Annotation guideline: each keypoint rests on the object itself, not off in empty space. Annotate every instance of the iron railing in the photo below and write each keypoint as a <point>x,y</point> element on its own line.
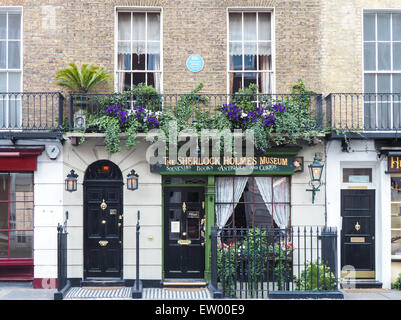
<point>36,111</point>
<point>364,111</point>
<point>250,263</point>
<point>83,105</point>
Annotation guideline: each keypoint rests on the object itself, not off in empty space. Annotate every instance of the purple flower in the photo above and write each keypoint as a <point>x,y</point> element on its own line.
<point>269,120</point>
<point>278,108</point>
<point>232,111</point>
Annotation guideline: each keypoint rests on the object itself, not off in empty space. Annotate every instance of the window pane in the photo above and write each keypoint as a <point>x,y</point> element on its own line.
<point>138,27</point>
<point>235,82</point>
<point>3,83</point>
<point>154,56</point>
<point>124,26</point>
<point>138,62</point>
<point>3,54</point>
<point>3,26</point>
<point>14,82</point>
<point>154,79</point>
<point>21,186</point>
<point>396,27</point>
<point>3,244</point>
<point>265,82</point>
<point>356,175</point>
<point>14,54</point>
<point>396,56</point>
<point>21,215</point>
<point>383,26</point>
<point>235,56</point>
<point>384,59</point>
<point>139,78</point>
<point>264,25</point>
<point>235,25</point>
<point>249,78</point>
<point>265,58</point>
<point>369,27</point>
<point>3,215</point>
<point>14,26</point>
<point>369,56</point>
<point>250,56</point>
<point>124,62</point>
<point>14,115</point>
<point>249,26</point>
<point>153,26</point>
<point>280,189</point>
<point>21,244</point>
<point>397,83</point>
<point>383,85</point>
<point>124,81</point>
<point>369,85</point>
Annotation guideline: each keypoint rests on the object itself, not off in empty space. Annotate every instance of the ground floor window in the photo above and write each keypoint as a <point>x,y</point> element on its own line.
<point>396,218</point>
<point>250,201</point>
<point>16,216</point>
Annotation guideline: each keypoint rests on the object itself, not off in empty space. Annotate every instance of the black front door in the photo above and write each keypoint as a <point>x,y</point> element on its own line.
<point>103,227</point>
<point>184,238</point>
<point>358,231</point>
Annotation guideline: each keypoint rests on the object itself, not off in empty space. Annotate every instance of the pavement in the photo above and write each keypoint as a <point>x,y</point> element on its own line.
<point>25,291</point>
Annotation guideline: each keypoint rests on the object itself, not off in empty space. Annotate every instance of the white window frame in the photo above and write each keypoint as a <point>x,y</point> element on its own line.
<point>136,9</point>
<point>6,98</point>
<point>378,71</point>
<point>272,42</point>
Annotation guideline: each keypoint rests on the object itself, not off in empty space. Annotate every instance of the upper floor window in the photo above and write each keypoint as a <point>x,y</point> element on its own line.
<point>10,66</point>
<point>138,50</point>
<point>250,51</point>
<point>382,69</point>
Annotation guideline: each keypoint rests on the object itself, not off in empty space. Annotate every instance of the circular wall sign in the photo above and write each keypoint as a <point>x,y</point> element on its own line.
<point>195,63</point>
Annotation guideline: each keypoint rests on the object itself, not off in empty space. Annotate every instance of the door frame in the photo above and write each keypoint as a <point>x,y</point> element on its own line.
<point>103,182</point>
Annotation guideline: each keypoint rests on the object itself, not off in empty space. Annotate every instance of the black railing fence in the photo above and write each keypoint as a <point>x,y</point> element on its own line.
<point>31,111</point>
<point>190,106</point>
<point>250,263</point>
<point>364,111</point>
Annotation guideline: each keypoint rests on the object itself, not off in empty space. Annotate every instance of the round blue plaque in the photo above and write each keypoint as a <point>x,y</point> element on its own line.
<point>195,63</point>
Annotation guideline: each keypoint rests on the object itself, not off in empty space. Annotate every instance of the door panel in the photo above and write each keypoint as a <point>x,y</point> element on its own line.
<point>103,231</point>
<point>358,231</point>
<point>184,254</point>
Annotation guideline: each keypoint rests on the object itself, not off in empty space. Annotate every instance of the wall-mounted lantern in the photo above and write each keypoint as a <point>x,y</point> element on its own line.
<point>315,171</point>
<point>71,181</point>
<point>132,180</point>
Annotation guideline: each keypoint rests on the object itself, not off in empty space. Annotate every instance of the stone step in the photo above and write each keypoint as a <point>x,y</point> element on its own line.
<point>180,283</point>
<point>361,284</point>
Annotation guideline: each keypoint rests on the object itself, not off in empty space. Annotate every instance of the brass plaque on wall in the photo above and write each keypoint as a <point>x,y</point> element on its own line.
<point>357,239</point>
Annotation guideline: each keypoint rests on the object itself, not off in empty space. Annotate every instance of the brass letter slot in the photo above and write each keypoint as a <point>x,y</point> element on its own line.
<point>184,242</point>
<point>357,239</point>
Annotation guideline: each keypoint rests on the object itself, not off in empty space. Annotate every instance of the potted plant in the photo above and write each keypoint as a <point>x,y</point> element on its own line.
<point>81,80</point>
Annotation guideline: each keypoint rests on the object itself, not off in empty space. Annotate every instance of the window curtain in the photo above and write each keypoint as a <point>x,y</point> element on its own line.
<point>257,213</point>
<point>225,194</point>
<point>280,194</point>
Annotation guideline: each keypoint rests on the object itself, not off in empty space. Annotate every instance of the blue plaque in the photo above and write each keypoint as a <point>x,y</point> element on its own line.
<point>195,63</point>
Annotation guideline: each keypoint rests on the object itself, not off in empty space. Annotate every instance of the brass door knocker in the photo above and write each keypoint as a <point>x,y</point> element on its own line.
<point>357,226</point>
<point>103,205</point>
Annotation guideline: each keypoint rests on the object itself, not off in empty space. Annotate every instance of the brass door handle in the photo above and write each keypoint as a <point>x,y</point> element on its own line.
<point>103,205</point>
<point>184,207</point>
<point>103,243</point>
<point>103,221</point>
<point>184,234</point>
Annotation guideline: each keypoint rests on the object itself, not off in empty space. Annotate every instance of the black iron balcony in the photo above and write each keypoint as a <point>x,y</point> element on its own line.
<point>368,114</point>
<point>193,108</point>
<point>36,112</point>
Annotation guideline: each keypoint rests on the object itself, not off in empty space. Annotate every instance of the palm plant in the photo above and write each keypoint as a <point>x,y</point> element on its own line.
<point>84,79</point>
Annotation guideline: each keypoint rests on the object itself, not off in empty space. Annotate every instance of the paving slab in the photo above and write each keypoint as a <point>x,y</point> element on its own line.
<point>24,291</point>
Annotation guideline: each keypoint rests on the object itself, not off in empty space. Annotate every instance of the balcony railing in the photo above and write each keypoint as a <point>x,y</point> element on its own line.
<point>31,111</point>
<point>368,112</point>
<point>83,105</point>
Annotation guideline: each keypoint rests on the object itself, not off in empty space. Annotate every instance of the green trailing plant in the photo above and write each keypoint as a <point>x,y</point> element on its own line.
<point>82,79</point>
<point>397,284</point>
<point>316,276</point>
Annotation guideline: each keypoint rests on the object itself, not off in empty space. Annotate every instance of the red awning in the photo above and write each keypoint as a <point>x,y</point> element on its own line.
<point>19,159</point>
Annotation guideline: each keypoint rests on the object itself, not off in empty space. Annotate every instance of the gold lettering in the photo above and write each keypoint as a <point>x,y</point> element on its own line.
<point>396,162</point>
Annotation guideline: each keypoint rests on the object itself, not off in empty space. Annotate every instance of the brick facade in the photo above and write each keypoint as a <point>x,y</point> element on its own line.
<point>59,32</point>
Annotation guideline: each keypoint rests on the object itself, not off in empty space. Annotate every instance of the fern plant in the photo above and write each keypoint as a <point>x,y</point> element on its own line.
<point>82,79</point>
